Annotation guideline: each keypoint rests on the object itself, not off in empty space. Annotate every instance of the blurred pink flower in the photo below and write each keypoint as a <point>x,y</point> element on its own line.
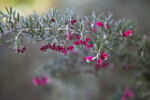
<point>41,81</point>
<point>65,52</point>
<point>78,37</point>
<point>127,94</point>
<point>98,24</point>
<point>89,46</point>
<point>104,56</point>
<point>85,43</point>
<point>76,43</point>
<point>100,61</point>
<point>70,48</point>
<point>107,26</point>
<point>127,33</point>
<point>87,39</point>
<point>73,21</point>
<point>88,59</point>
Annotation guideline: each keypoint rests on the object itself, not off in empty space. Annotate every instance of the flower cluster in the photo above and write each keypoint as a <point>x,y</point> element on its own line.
<point>104,56</point>
<point>41,80</point>
<point>22,50</point>
<point>83,42</point>
<point>57,48</point>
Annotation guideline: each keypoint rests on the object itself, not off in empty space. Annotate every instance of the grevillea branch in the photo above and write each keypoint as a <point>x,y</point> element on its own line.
<point>97,34</point>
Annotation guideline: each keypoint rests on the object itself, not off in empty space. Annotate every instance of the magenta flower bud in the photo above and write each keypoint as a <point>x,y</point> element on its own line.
<point>87,39</point>
<point>18,50</point>
<point>104,56</point>
<point>80,42</point>
<point>107,26</point>
<point>127,33</point>
<point>100,61</point>
<point>49,46</point>
<point>36,81</point>
<point>85,43</point>
<point>70,48</point>
<point>52,20</point>
<point>24,48</point>
<point>98,24</point>
<point>73,21</point>
<point>76,43</point>
<point>45,80</point>
<point>89,46</point>
<point>41,81</point>
<point>65,52</point>
<point>128,93</point>
<point>78,37</point>
<point>22,51</point>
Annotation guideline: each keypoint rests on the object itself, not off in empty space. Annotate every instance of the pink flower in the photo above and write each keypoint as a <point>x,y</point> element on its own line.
<point>107,26</point>
<point>89,46</point>
<point>127,33</point>
<point>70,48</point>
<point>36,81</point>
<point>24,48</point>
<point>98,24</point>
<point>104,56</point>
<point>49,46</point>
<point>78,37</point>
<point>52,20</point>
<point>100,61</point>
<point>128,93</point>
<point>85,43</point>
<point>45,80</point>
<point>80,42</point>
<point>130,32</point>
<point>18,50</point>
<point>40,81</point>
<point>59,49</point>
<point>87,39</point>
<point>73,21</point>
<point>76,43</point>
<point>65,52</point>
<point>88,59</point>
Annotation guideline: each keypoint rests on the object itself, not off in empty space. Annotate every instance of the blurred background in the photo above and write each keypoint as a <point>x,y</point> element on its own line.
<point>17,71</point>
